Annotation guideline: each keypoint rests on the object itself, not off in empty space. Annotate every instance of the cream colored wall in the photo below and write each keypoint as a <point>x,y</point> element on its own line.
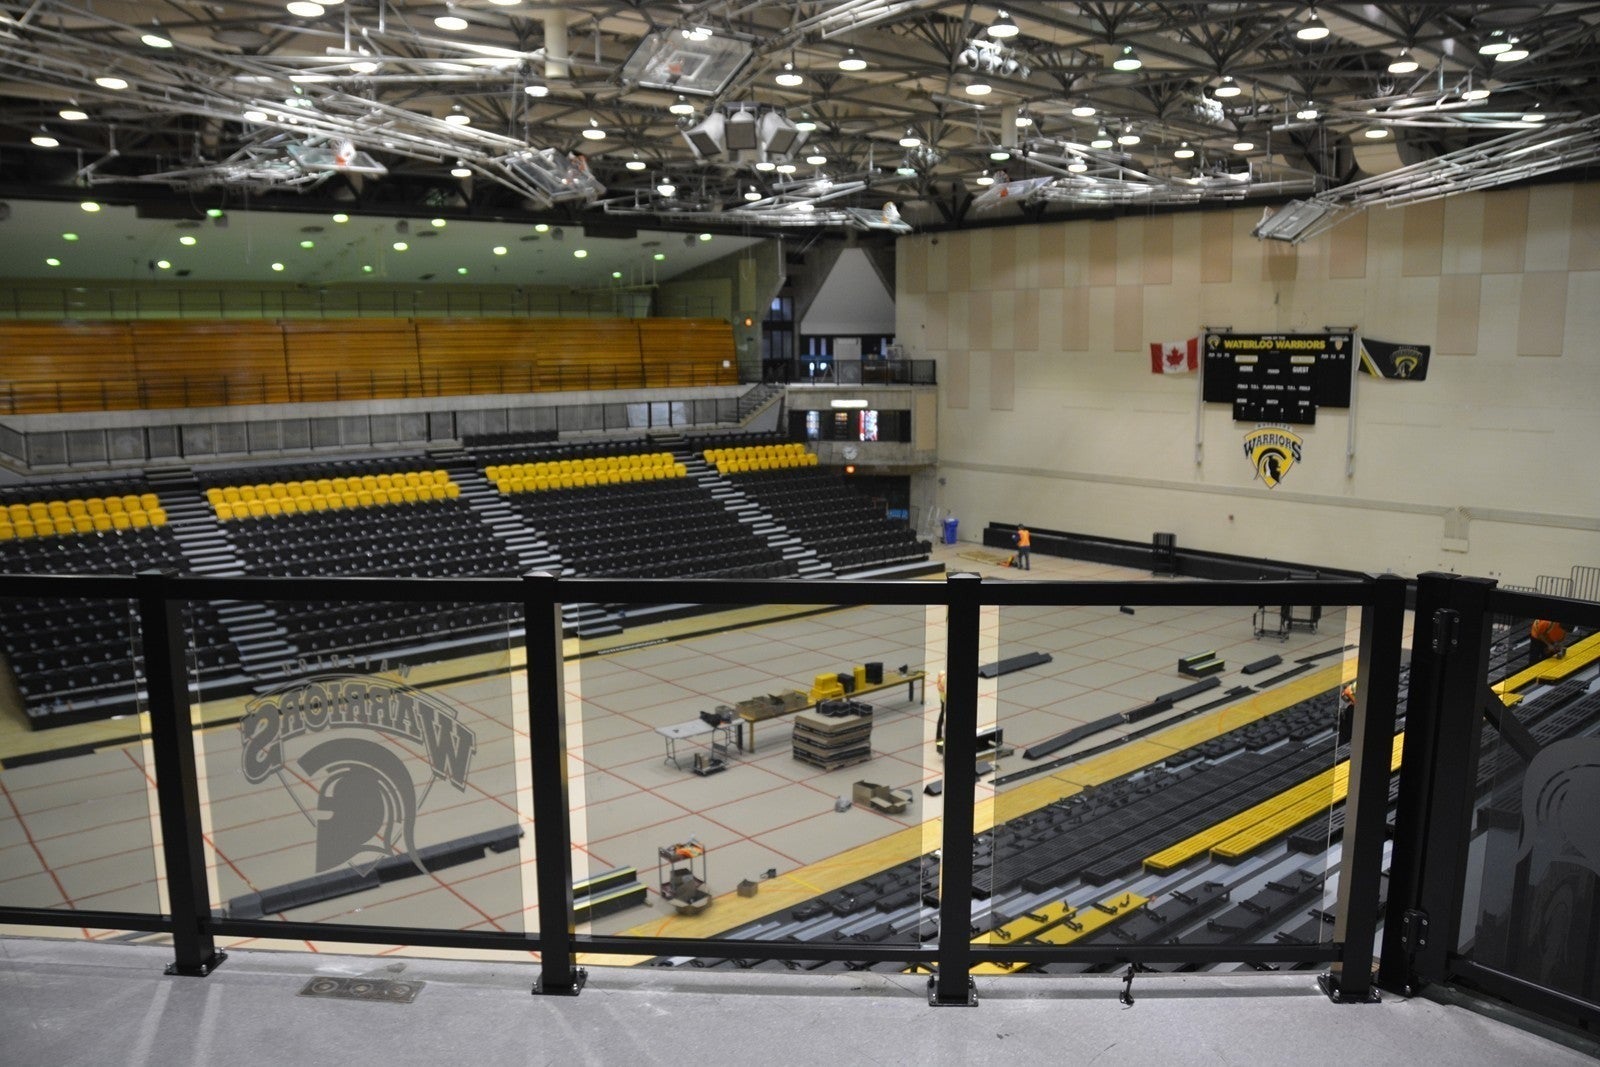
<point>1050,414</point>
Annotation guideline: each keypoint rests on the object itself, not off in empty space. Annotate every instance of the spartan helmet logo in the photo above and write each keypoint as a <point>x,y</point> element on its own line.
<point>367,805</point>
<point>1405,362</point>
<point>1560,794</point>
<point>1272,450</point>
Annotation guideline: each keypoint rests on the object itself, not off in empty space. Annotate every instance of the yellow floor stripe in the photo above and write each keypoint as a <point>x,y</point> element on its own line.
<point>1030,925</point>
<point>1578,657</point>
<point>1078,925</point>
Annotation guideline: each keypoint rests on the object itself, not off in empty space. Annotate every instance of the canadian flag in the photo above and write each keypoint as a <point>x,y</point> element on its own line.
<point>1175,357</point>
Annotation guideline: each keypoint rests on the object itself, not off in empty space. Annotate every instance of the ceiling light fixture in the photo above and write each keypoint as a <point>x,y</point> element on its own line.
<point>1183,151</point>
<point>1514,54</point>
<point>593,131</point>
<point>1102,140</point>
<point>255,116</point>
<point>1128,60</point>
<point>705,237</point>
<point>1227,87</point>
<point>1496,43</point>
<point>69,237</point>
<point>109,81</point>
<point>1083,111</point>
<point>500,250</point>
<point>851,61</point>
<point>659,256</point>
<point>460,170</point>
<point>72,114</point>
<point>816,159</point>
<point>304,9</point>
<point>1003,28</point>
<point>806,124</point>
<point>1535,114</point>
<point>999,155</point>
<point>1127,137</point>
<point>752,194</point>
<point>1404,63</point>
<point>635,163</point>
<point>341,217</point>
<point>666,188</point>
<point>984,179</point>
<point>1313,29</point>
<point>1077,166</point>
<point>277,266</point>
<point>365,66</point>
<point>1242,145</point>
<point>52,262</point>
<point>90,206</point>
<point>580,253</point>
<point>681,106</point>
<point>452,22</point>
<point>787,168</point>
<point>155,40</point>
<point>536,89</point>
<point>400,246</point>
<point>1377,133</point>
<point>766,165</point>
<point>457,118</point>
<point>910,140</point>
<point>187,240</point>
<point>1308,112</point>
<point>44,140</point>
<point>788,77</point>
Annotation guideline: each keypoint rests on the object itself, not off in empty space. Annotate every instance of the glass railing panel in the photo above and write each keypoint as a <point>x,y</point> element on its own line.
<point>1532,887</point>
<point>366,763</point>
<point>77,804</point>
<point>1159,775</point>
<point>757,772</point>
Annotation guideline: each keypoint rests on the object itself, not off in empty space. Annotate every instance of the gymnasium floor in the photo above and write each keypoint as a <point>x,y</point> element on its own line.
<point>77,830</point>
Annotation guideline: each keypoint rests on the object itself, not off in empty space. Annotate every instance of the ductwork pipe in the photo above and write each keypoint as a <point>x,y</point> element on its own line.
<point>556,65</point>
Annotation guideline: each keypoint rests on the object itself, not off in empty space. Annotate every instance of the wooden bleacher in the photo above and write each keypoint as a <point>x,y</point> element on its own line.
<point>70,366</point>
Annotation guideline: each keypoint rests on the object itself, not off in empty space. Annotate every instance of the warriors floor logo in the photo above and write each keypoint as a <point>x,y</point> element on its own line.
<point>1272,450</point>
<point>359,755</point>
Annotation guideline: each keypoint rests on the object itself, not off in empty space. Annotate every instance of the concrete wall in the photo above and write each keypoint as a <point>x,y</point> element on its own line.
<point>1051,415</point>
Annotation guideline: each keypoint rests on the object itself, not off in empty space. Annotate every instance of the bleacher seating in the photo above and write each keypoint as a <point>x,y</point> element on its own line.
<point>740,459</point>
<point>845,528</point>
<point>662,528</point>
<point>554,474</point>
<point>396,523</point>
<point>74,660</point>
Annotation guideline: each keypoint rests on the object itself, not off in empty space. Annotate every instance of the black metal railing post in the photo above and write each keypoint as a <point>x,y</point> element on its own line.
<point>952,986</point>
<point>1367,800</point>
<point>552,826</point>
<point>1439,764</point>
<point>177,784</point>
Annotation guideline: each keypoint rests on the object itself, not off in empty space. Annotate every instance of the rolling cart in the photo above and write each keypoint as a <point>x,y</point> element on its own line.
<point>681,871</point>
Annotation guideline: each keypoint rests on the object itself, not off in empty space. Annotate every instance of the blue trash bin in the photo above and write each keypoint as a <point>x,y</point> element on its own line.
<point>950,531</point>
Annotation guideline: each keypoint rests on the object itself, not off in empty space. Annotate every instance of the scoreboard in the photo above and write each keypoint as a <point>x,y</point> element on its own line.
<point>1280,377</point>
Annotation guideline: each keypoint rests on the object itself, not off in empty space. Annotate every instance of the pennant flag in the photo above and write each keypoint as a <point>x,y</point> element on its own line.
<point>1175,357</point>
<point>1384,359</point>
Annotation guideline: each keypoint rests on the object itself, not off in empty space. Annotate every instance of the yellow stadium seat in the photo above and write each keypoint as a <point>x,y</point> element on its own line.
<point>541,484</point>
<point>102,521</point>
<point>25,528</point>
<point>349,499</point>
<point>17,511</point>
<point>37,511</point>
<point>452,490</point>
<point>491,472</point>
<point>114,505</point>
<point>335,501</point>
<point>412,478</point>
<point>56,508</point>
<point>158,516</point>
<point>324,486</point>
<point>289,505</point>
<point>215,495</point>
<point>409,494</point>
<point>679,470</point>
<point>369,482</point>
<point>440,477</point>
<point>277,489</point>
<point>139,518</point>
<point>224,510</point>
<point>7,531</point>
<point>363,498</point>
<point>384,481</point>
<point>319,502</point>
<point>82,524</point>
<point>45,527</point>
<point>247,493</point>
<point>380,496</point>
<point>120,520</point>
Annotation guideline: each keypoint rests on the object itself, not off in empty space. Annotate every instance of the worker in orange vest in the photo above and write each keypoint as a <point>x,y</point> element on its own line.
<point>1347,711</point>
<point>1546,639</point>
<point>1024,542</point>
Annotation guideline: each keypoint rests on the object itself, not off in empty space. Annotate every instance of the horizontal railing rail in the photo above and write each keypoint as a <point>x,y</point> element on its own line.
<point>194,928</point>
